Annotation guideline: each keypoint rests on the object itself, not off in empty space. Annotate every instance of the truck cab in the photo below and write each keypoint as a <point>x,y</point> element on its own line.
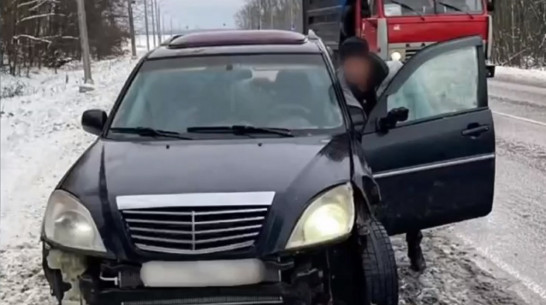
<point>397,29</point>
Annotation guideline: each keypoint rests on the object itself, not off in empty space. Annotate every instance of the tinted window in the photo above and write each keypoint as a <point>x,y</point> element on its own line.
<point>445,84</point>
<point>283,91</point>
<point>431,7</point>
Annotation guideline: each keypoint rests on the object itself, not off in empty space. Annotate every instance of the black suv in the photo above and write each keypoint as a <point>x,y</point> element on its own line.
<point>231,171</point>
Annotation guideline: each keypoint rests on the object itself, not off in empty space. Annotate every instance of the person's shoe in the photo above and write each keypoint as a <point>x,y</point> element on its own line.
<point>418,263</point>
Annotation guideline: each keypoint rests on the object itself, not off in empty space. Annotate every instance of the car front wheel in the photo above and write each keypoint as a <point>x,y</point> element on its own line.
<point>380,272</point>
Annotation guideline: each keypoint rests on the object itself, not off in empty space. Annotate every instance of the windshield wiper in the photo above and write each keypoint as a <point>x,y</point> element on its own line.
<point>241,129</point>
<point>149,132</point>
<point>453,7</point>
<point>405,5</point>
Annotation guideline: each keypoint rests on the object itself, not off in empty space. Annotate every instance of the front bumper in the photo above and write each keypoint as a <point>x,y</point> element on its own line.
<point>289,280</point>
<point>278,293</point>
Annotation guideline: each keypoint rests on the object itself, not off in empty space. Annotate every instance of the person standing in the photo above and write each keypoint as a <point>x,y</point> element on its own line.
<point>362,76</point>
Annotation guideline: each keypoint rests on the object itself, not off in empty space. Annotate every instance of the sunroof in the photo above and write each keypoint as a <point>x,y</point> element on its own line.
<point>237,37</point>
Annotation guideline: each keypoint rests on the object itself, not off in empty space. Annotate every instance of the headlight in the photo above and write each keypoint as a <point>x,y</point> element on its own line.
<point>68,223</point>
<point>397,55</point>
<point>328,217</point>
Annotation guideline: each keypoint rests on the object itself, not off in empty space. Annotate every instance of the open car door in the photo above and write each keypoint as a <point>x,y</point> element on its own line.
<point>430,140</point>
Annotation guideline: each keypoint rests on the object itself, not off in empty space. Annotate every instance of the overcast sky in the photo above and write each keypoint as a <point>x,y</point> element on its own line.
<point>200,13</point>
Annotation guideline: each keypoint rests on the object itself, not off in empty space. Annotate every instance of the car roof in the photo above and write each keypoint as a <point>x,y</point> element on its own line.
<point>233,42</point>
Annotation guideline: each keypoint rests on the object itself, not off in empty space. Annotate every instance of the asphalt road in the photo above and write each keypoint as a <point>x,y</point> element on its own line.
<point>513,236</point>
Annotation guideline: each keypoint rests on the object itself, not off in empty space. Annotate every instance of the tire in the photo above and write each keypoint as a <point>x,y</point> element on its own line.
<point>380,272</point>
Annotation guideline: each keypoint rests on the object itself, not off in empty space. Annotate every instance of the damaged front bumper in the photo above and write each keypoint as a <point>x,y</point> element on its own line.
<point>75,278</point>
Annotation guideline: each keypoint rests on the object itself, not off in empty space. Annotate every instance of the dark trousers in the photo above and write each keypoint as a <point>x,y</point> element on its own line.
<point>415,253</point>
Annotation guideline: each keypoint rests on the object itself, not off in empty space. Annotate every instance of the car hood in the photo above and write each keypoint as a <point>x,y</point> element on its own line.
<point>296,169</point>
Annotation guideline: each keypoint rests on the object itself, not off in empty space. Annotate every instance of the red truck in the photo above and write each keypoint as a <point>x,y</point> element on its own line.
<point>400,28</point>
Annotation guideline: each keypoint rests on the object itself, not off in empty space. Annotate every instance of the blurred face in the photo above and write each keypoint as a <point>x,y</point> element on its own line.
<point>357,71</point>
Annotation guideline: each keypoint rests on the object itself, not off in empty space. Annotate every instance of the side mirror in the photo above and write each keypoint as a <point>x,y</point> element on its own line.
<point>490,5</point>
<point>394,116</point>
<point>358,118</point>
<point>93,121</point>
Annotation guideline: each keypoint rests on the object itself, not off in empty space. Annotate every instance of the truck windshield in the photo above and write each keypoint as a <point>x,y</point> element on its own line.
<point>290,92</point>
<point>431,7</point>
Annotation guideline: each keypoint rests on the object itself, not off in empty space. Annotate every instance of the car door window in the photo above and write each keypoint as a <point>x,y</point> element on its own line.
<point>443,85</point>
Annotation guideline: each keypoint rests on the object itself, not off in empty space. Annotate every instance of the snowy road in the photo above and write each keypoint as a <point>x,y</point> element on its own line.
<point>514,236</point>
<point>495,260</point>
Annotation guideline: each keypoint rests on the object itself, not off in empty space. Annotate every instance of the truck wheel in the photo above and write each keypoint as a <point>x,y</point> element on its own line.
<point>380,272</point>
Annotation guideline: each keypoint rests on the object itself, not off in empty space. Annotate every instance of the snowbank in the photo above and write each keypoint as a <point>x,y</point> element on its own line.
<point>517,75</point>
<point>41,138</point>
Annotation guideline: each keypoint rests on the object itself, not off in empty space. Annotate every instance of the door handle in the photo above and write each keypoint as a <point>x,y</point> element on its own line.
<point>475,131</point>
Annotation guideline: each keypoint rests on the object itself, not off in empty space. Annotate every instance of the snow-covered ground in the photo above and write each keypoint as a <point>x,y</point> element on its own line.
<point>529,77</point>
<point>41,137</point>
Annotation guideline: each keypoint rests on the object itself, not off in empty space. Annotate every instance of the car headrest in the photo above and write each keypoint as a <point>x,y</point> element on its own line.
<point>291,78</point>
<point>242,74</point>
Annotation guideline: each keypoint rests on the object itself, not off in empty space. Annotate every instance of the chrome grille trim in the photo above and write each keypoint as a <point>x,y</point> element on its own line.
<point>194,242</point>
<point>194,252</point>
<point>129,212</point>
<point>194,229</point>
<point>159,222</point>
<point>138,229</point>
<point>195,200</point>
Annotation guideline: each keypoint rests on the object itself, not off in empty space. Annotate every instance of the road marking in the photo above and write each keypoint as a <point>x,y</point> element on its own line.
<point>519,118</point>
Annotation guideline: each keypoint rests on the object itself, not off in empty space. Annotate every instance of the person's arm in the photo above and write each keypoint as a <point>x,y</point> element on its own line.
<point>350,99</point>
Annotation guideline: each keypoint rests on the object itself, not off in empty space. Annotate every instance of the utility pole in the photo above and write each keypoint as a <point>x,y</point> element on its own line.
<point>260,14</point>
<point>171,26</point>
<point>146,22</point>
<point>163,27</point>
<point>84,40</point>
<point>153,21</point>
<point>292,27</point>
<point>131,27</point>
<point>271,18</point>
<point>158,20</point>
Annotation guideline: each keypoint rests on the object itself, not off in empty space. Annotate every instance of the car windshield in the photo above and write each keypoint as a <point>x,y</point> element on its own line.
<point>431,7</point>
<point>290,92</point>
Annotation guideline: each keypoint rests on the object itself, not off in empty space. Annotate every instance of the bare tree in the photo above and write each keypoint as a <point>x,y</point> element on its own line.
<point>270,14</point>
<point>45,32</point>
<point>520,33</point>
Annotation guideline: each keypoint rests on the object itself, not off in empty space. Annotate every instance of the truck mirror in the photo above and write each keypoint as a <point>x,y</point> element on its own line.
<point>490,5</point>
<point>365,11</point>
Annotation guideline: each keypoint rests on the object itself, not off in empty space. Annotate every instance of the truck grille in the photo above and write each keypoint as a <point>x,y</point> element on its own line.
<point>194,230</point>
<point>411,51</point>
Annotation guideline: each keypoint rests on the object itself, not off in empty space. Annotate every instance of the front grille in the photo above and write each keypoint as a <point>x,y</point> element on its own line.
<point>410,52</point>
<point>194,230</point>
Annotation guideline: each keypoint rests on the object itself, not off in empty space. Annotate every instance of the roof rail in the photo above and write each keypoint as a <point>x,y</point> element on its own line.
<point>312,35</point>
<point>237,38</point>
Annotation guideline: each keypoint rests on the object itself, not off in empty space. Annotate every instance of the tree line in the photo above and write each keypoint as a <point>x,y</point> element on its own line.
<point>46,33</point>
<point>520,33</point>
<point>519,27</point>
<point>270,14</point>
